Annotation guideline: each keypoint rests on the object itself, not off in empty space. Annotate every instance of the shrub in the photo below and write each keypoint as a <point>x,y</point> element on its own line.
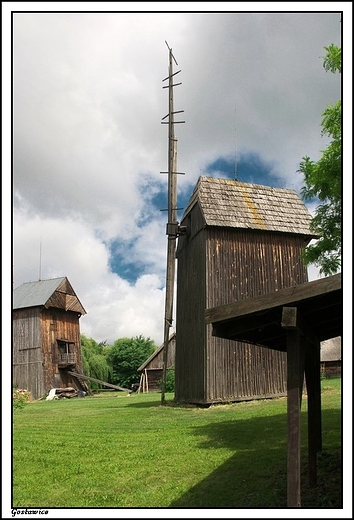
<point>20,398</point>
<point>170,380</point>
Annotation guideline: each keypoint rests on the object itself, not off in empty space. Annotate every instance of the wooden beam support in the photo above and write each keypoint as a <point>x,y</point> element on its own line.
<point>265,302</point>
<point>294,347</point>
<point>293,411</point>
<point>89,378</point>
<point>287,320</point>
<point>313,384</point>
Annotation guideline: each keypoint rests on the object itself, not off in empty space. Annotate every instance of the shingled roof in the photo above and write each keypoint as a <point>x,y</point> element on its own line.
<point>56,292</point>
<point>231,203</point>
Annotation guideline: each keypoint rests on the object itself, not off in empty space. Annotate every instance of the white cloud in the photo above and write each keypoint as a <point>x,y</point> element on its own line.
<point>89,146</point>
<point>119,309</point>
<point>115,308</point>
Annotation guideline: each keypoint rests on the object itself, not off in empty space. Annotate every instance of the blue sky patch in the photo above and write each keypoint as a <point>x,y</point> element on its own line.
<point>119,264</point>
<point>249,167</point>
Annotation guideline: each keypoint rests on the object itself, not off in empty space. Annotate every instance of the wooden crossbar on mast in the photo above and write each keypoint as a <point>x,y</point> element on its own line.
<point>172,224</point>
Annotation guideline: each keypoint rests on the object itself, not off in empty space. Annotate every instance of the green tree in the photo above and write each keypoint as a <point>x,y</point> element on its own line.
<point>94,360</point>
<point>170,380</point>
<point>126,355</point>
<point>323,181</point>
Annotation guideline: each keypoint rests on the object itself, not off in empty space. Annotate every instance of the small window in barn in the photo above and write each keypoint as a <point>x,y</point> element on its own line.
<point>66,352</point>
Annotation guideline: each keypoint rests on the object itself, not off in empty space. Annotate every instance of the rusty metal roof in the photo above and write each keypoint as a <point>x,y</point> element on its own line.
<point>47,293</point>
<point>231,203</point>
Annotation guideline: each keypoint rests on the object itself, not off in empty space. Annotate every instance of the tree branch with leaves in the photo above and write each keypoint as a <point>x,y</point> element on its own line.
<point>323,180</point>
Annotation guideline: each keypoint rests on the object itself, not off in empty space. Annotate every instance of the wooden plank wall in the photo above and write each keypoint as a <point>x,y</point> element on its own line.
<point>331,368</point>
<point>190,364</point>
<point>242,264</point>
<point>216,266</point>
<point>154,376</point>
<point>28,371</point>
<point>157,361</point>
<point>35,332</point>
<point>240,371</point>
<point>59,324</point>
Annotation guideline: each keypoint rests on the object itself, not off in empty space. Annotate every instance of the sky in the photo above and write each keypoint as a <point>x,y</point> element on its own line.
<point>89,146</point>
<point>83,143</point>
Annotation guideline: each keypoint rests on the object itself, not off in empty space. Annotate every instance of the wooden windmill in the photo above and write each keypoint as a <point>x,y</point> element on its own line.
<point>173,230</point>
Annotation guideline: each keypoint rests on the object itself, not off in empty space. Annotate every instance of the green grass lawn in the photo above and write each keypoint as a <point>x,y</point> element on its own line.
<point>118,451</point>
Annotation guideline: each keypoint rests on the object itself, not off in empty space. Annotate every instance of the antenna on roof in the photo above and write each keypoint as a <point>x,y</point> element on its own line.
<point>235,165</point>
<point>173,230</point>
<point>40,259</point>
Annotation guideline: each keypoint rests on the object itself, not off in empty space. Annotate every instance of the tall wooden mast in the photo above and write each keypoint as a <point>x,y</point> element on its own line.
<point>172,229</point>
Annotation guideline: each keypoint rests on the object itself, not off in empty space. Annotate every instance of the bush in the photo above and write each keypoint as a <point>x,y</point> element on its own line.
<point>170,380</point>
<point>20,398</point>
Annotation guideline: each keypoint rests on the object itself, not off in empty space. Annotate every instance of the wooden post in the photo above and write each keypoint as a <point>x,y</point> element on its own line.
<point>172,219</point>
<point>141,384</point>
<point>313,383</point>
<point>294,389</point>
<point>172,229</point>
<point>318,407</point>
<point>147,381</point>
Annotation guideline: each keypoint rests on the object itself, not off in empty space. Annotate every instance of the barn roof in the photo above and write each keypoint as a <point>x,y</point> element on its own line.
<point>331,349</point>
<point>150,358</point>
<point>231,203</point>
<point>56,292</point>
<point>155,353</point>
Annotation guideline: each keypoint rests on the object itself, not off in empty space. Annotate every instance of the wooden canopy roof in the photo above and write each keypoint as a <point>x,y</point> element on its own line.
<point>259,320</point>
<point>294,319</point>
<point>56,292</point>
<point>236,204</point>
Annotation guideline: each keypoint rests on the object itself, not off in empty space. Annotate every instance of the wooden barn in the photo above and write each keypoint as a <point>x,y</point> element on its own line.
<point>331,357</point>
<point>242,240</point>
<point>46,336</point>
<point>151,370</point>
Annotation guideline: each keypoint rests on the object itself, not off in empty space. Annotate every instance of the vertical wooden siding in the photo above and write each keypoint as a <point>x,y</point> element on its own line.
<point>59,324</point>
<point>154,376</point>
<point>35,332</point>
<point>190,361</point>
<point>157,360</point>
<point>242,264</point>
<point>238,371</point>
<point>217,266</point>
<point>28,370</point>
